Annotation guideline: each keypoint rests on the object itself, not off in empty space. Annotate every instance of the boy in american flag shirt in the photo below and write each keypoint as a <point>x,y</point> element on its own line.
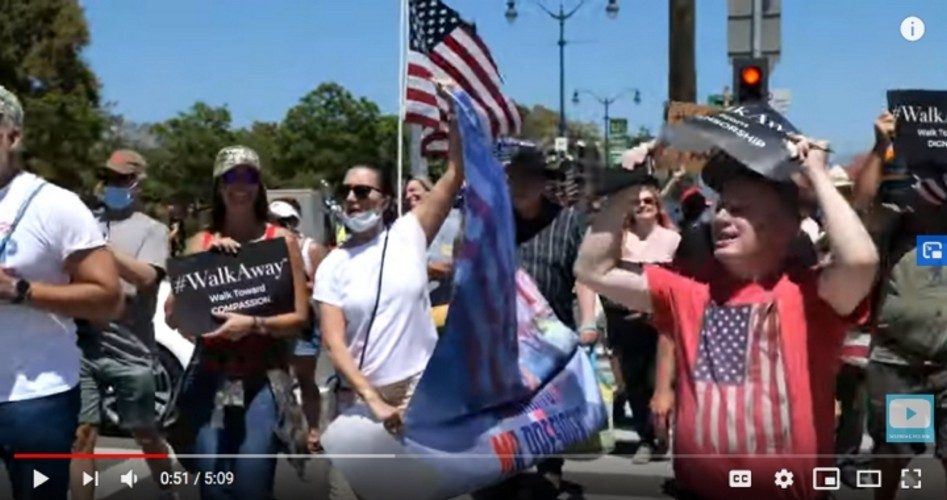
<point>758,339</point>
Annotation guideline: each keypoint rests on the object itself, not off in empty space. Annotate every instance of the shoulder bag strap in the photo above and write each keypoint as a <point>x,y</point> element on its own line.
<point>371,321</point>
<point>19,215</point>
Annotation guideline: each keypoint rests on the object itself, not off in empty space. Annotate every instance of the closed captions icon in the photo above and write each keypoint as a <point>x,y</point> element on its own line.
<point>741,479</point>
<point>912,28</point>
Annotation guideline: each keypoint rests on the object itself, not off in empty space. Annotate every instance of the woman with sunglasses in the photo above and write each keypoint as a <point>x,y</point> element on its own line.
<point>650,238</point>
<point>372,292</point>
<point>238,394</point>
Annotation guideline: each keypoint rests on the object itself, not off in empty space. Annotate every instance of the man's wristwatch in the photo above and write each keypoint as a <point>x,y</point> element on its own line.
<point>22,289</point>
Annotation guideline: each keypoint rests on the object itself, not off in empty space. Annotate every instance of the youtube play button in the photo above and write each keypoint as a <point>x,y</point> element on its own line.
<point>909,413</point>
<point>39,478</point>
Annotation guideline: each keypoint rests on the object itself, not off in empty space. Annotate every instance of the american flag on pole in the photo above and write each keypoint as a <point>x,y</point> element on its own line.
<point>742,399</point>
<point>442,46</point>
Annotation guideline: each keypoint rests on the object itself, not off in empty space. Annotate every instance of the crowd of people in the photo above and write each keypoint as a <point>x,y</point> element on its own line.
<point>723,324</point>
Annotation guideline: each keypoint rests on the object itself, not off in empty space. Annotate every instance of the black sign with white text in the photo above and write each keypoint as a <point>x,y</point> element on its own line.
<point>258,281</point>
<point>753,134</point>
<point>921,138</point>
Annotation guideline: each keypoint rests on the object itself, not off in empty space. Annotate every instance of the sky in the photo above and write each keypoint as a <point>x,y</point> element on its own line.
<point>155,58</point>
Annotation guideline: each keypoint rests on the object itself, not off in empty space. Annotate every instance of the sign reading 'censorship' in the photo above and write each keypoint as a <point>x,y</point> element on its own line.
<point>257,281</point>
<point>921,139</point>
<point>753,134</point>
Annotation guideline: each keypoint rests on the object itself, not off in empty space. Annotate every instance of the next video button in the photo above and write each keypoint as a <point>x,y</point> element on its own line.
<point>932,250</point>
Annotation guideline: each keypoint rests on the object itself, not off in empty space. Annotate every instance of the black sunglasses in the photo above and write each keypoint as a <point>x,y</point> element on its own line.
<point>361,191</point>
<point>243,176</point>
<point>110,177</point>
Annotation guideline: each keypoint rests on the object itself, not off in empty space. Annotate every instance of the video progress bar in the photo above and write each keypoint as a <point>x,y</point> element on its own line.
<point>149,456</point>
<point>158,456</point>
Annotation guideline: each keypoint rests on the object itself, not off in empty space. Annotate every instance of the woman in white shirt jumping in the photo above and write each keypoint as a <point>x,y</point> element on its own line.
<point>372,291</point>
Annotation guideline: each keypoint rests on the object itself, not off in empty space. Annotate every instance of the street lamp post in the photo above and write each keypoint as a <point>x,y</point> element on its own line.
<point>611,10</point>
<point>607,102</point>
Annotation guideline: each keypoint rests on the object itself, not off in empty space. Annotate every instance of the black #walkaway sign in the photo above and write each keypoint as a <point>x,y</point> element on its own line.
<point>921,138</point>
<point>753,134</point>
<point>258,281</point>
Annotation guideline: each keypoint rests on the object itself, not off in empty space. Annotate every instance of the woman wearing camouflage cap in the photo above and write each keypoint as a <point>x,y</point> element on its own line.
<point>247,355</point>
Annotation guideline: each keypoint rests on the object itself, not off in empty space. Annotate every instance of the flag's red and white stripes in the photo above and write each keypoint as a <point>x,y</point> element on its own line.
<point>856,349</point>
<point>458,55</point>
<point>751,417</point>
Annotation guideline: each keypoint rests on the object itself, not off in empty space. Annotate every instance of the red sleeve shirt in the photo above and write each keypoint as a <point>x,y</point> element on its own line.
<point>756,366</point>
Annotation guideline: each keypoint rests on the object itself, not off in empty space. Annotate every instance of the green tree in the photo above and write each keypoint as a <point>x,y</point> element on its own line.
<point>328,131</point>
<point>40,47</point>
<point>183,162</point>
<point>540,125</point>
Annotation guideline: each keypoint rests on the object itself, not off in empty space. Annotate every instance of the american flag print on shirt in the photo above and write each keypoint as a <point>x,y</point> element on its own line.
<point>442,46</point>
<point>740,382</point>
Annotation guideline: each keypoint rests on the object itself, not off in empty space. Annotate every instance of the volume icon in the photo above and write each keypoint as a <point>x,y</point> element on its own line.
<point>129,478</point>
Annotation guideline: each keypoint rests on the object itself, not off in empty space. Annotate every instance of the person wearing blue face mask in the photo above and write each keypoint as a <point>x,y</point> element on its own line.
<point>119,354</point>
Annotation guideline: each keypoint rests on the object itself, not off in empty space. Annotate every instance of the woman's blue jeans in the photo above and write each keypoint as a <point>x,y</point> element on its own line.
<point>245,431</point>
<point>41,425</point>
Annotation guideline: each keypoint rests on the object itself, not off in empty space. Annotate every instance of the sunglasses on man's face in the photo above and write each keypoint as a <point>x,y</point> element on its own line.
<point>241,176</point>
<point>110,178</point>
<point>361,191</point>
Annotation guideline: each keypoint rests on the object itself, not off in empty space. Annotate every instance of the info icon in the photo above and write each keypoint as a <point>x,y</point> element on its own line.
<point>826,478</point>
<point>912,28</point>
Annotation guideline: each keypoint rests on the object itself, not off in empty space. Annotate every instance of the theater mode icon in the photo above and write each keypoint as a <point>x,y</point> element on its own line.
<point>868,479</point>
<point>909,418</point>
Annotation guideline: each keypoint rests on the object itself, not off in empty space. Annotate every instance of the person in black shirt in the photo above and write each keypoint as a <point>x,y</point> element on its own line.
<point>548,238</point>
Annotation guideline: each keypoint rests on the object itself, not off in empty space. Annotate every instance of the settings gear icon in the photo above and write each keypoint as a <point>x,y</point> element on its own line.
<point>784,478</point>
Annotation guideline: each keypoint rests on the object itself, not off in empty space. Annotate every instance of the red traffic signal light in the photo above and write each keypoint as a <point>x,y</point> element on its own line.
<point>751,75</point>
<point>750,79</point>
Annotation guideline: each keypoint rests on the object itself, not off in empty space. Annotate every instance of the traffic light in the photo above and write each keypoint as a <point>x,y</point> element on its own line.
<point>750,80</point>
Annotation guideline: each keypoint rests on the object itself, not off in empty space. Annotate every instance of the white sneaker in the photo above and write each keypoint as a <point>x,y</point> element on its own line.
<point>643,455</point>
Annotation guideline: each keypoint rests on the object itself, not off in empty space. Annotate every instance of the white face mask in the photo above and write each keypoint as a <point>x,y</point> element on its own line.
<point>363,221</point>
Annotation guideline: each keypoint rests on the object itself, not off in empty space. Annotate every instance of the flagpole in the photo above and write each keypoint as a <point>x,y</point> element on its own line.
<point>402,75</point>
